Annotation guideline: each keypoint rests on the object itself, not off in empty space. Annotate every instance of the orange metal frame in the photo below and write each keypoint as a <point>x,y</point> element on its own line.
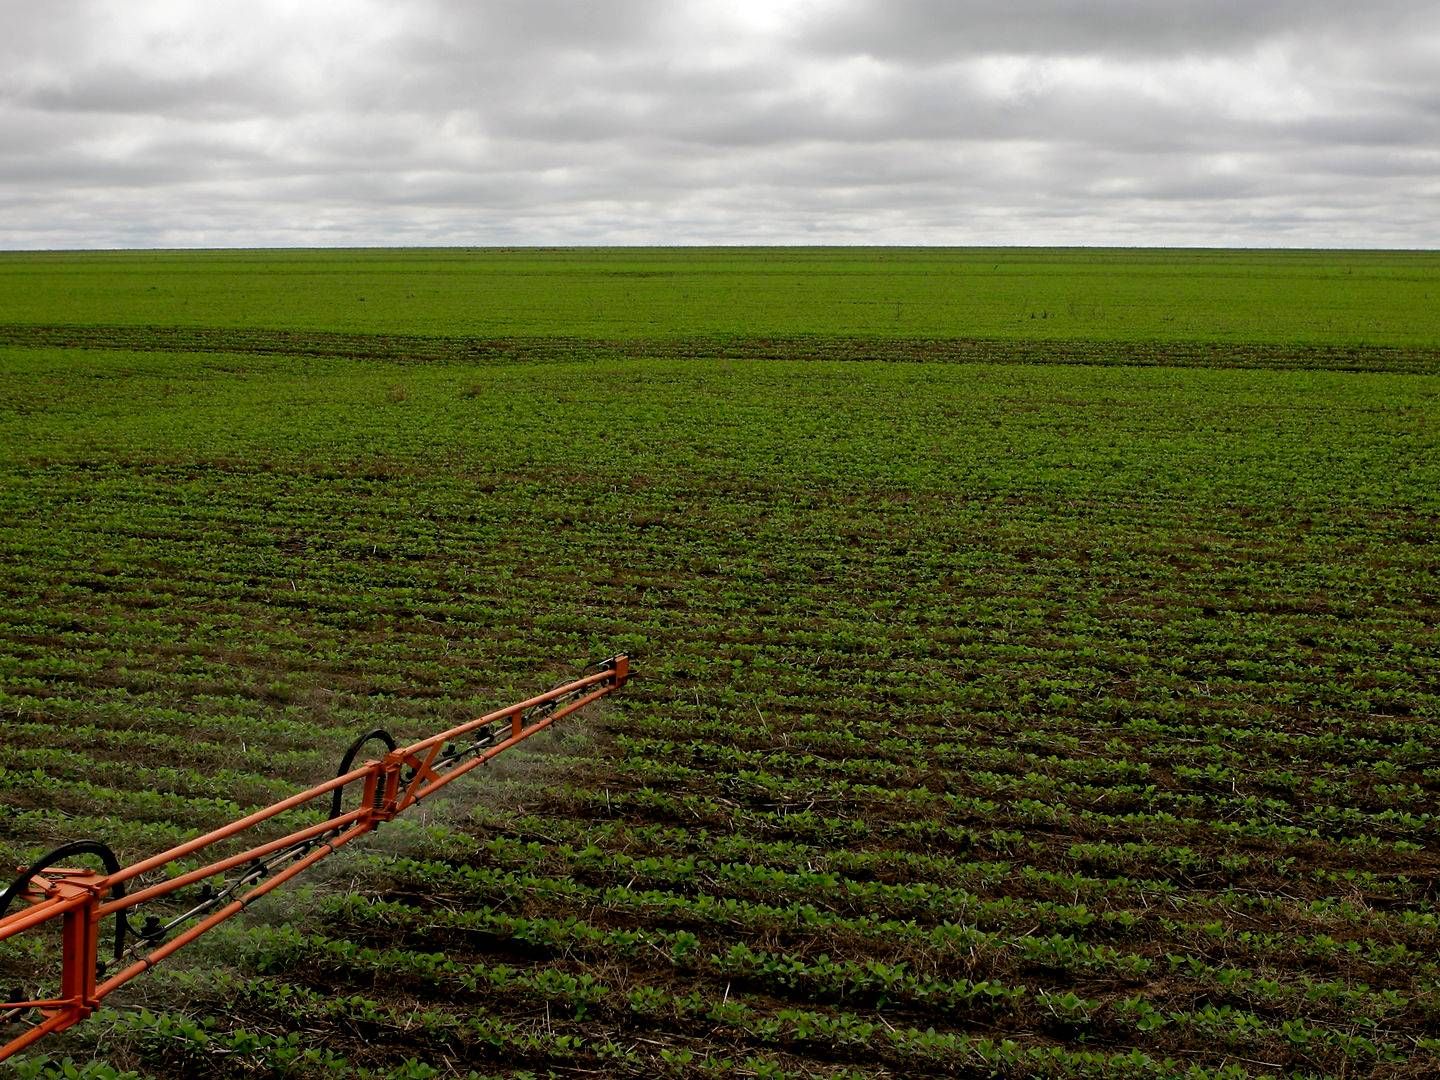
<point>81,899</point>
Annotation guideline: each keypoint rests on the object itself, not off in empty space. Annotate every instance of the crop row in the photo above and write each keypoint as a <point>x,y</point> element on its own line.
<point>821,978</point>
<point>927,924</point>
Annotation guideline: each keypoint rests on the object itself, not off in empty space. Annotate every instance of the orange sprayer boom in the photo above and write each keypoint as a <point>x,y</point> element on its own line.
<point>81,900</point>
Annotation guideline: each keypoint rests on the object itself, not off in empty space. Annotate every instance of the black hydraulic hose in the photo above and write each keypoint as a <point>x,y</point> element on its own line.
<point>348,760</point>
<point>61,854</point>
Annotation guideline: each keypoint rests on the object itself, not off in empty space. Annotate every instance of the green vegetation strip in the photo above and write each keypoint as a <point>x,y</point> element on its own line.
<point>415,349</point>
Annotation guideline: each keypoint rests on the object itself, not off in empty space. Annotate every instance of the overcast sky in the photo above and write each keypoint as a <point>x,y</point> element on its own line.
<point>1252,122</point>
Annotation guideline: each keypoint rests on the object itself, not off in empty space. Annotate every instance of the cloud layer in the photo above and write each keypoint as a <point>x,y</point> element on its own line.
<point>1289,122</point>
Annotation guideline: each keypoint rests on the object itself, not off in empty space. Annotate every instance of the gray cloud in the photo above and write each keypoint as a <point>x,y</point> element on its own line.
<point>934,29</point>
<point>745,121</point>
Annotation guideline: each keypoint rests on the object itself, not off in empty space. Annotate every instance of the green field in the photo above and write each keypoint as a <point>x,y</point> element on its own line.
<point>1311,298</point>
<point>1037,651</point>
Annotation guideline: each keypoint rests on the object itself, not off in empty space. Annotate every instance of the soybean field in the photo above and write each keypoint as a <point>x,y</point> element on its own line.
<point>1036,666</point>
